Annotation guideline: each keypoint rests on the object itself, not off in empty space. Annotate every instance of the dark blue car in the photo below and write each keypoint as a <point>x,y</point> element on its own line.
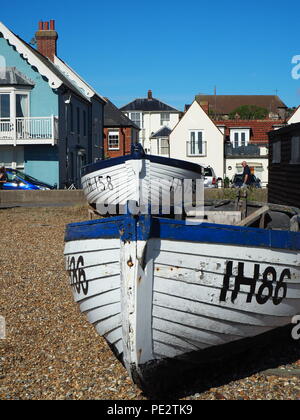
<point>17,180</point>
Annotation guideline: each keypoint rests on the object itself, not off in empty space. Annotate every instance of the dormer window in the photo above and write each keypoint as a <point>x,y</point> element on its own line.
<point>239,136</point>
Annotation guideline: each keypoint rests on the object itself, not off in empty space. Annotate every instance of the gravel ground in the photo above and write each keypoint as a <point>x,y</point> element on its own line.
<point>51,352</point>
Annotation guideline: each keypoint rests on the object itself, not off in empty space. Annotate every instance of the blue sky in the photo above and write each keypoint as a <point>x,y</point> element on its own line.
<point>178,49</point>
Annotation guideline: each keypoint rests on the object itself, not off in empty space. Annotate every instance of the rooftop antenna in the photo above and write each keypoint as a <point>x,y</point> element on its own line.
<point>215,93</point>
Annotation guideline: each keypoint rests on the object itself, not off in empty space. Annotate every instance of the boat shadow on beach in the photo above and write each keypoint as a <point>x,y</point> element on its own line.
<point>200,371</point>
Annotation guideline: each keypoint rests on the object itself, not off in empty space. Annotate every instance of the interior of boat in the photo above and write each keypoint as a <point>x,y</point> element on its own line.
<point>238,212</point>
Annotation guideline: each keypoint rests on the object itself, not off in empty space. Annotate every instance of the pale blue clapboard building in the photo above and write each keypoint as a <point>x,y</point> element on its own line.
<point>51,120</point>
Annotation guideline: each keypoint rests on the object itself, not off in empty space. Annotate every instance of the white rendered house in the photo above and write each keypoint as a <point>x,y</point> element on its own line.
<point>197,139</point>
<point>151,115</point>
<point>295,118</point>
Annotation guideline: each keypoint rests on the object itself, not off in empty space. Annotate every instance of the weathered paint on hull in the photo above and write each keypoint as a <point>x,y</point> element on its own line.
<point>140,180</point>
<point>166,290</point>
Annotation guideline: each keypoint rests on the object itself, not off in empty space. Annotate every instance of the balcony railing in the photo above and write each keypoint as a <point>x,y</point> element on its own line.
<point>246,151</point>
<point>29,130</point>
<point>196,148</point>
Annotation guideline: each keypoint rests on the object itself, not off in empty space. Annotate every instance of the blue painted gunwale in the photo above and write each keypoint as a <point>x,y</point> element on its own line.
<point>138,153</point>
<point>94,229</point>
<point>144,227</point>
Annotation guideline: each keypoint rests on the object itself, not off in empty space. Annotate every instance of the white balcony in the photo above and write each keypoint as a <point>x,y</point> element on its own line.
<point>29,130</point>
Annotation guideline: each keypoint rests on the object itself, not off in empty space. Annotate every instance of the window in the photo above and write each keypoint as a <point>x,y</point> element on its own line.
<point>295,150</point>
<point>22,110</point>
<point>78,120</point>
<point>14,104</point>
<point>4,105</point>
<point>113,140</point>
<point>164,118</point>
<point>163,146</point>
<point>96,131</point>
<point>84,122</point>
<point>196,146</point>
<point>71,118</point>
<point>12,157</point>
<point>239,137</point>
<point>276,152</point>
<point>136,117</point>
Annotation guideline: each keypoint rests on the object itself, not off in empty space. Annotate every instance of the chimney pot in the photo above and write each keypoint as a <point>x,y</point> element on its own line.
<point>149,94</point>
<point>47,39</point>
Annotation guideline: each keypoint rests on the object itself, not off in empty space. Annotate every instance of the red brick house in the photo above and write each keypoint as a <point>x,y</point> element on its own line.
<point>243,132</point>
<point>119,132</point>
<point>220,106</point>
<point>247,140</point>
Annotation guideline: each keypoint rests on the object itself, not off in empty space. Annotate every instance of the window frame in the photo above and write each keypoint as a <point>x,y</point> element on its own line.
<point>236,134</point>
<point>164,121</point>
<point>190,151</point>
<point>161,140</point>
<point>276,152</point>
<point>116,134</point>
<point>13,92</point>
<point>140,114</point>
<point>295,150</point>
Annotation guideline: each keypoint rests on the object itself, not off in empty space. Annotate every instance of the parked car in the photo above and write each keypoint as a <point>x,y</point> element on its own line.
<point>18,180</point>
<point>237,181</point>
<point>210,179</point>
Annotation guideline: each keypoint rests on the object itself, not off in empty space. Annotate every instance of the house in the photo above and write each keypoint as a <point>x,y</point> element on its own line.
<point>295,117</point>
<point>220,106</point>
<point>247,140</point>
<point>150,115</point>
<point>284,166</point>
<point>51,120</point>
<point>197,139</point>
<point>119,132</point>
<point>222,144</point>
<point>160,142</point>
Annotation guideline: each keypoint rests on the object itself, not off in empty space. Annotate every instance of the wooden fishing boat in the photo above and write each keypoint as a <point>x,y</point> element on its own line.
<point>160,289</point>
<point>109,184</point>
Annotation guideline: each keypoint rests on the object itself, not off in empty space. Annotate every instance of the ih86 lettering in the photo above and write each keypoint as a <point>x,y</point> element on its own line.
<point>272,286</point>
<point>77,275</point>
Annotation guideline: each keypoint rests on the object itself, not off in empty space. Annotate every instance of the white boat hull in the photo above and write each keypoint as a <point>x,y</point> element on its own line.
<point>144,181</point>
<point>156,297</point>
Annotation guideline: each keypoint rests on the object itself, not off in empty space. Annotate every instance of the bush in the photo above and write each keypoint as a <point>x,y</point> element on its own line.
<point>249,112</point>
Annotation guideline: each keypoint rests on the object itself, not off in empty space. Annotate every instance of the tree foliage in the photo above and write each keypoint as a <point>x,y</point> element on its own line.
<point>249,112</point>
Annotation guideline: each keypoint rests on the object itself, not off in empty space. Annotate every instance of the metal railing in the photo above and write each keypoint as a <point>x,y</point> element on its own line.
<point>35,129</point>
<point>249,150</point>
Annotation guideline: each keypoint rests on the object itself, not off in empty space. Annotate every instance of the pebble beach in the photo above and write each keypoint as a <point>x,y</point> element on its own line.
<point>50,350</point>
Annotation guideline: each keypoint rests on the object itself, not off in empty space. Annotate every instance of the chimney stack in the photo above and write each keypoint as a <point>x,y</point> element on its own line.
<point>149,94</point>
<point>46,39</point>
